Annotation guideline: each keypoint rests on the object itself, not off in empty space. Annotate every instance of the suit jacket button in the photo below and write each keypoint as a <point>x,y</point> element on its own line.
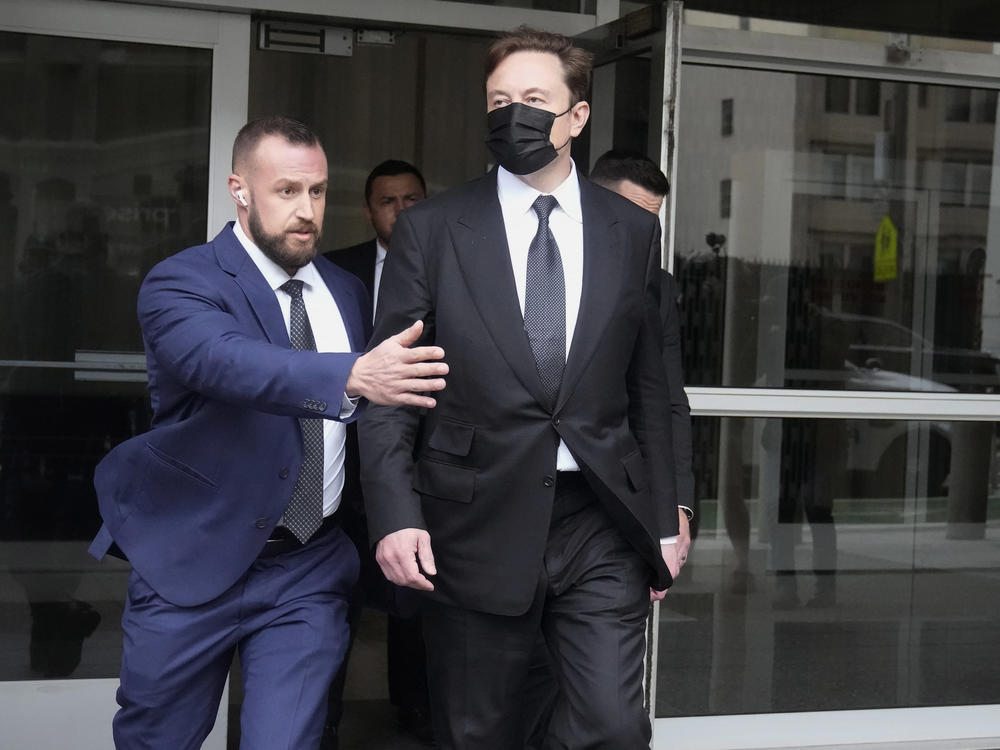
<point>555,421</point>
<point>283,474</point>
<point>261,523</point>
<point>548,481</point>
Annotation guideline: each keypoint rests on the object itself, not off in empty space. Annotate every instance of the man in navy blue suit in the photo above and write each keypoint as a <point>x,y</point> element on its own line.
<point>227,507</point>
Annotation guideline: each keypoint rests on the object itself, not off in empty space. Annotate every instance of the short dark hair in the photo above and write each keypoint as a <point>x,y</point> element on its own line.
<point>576,62</point>
<point>251,134</point>
<point>619,164</point>
<point>391,168</point>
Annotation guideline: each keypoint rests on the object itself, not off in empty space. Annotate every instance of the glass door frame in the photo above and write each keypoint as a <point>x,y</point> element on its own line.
<point>951,727</point>
<point>653,31</point>
<point>83,709</point>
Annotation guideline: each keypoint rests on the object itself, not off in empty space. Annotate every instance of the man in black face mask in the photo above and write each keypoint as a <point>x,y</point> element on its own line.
<point>536,504</point>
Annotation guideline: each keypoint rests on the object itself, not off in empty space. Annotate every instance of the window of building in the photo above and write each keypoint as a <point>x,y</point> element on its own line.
<point>860,177</point>
<point>838,94</point>
<point>862,96</point>
<point>980,177</point>
<point>953,183</point>
<point>867,96</point>
<point>725,198</point>
<point>958,106</point>
<point>984,105</point>
<point>727,117</point>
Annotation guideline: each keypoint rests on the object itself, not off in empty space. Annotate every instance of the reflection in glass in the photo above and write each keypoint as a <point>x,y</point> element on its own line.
<point>564,6</point>
<point>838,564</point>
<point>822,246</point>
<point>418,99</point>
<point>102,172</point>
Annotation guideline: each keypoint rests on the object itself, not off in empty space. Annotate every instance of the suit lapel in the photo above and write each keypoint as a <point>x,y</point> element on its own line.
<point>347,302</point>
<point>481,247</point>
<point>370,256</point>
<point>234,260</point>
<point>602,274</point>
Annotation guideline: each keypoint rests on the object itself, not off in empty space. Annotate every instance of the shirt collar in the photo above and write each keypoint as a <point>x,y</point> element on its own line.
<point>274,274</point>
<point>380,251</point>
<point>518,195</point>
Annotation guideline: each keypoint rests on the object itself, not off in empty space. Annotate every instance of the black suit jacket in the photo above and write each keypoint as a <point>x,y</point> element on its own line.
<point>680,409</point>
<point>478,470</point>
<point>374,589</point>
<point>359,260</point>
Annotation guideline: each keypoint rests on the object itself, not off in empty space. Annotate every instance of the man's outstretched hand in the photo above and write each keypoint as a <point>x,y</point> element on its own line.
<point>393,374</point>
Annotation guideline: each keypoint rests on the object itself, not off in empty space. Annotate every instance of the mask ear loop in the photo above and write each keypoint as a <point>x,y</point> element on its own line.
<point>571,137</point>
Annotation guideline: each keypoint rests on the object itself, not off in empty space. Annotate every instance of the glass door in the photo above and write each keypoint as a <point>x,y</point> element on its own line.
<point>105,155</point>
<point>831,231</point>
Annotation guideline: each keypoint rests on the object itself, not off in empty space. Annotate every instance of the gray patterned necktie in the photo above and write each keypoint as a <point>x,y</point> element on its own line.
<point>304,512</point>
<point>545,301</point>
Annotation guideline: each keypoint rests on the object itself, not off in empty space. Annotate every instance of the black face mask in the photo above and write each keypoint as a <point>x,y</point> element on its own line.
<point>519,137</point>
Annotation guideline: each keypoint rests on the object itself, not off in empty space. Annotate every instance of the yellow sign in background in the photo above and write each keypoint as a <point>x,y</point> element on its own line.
<point>886,268</point>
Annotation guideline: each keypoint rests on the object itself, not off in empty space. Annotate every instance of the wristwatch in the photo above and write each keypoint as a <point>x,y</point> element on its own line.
<point>687,512</point>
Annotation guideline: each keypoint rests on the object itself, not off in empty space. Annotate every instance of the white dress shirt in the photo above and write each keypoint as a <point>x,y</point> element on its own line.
<point>380,254</point>
<point>566,223</point>
<point>331,336</point>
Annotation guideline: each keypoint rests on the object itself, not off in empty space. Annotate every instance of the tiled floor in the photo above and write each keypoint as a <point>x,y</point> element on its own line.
<point>371,725</point>
<point>369,721</point>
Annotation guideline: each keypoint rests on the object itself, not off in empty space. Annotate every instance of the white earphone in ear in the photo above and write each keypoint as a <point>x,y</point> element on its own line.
<point>241,198</point>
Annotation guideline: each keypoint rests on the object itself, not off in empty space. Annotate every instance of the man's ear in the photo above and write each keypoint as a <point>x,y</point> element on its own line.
<point>578,118</point>
<point>238,190</point>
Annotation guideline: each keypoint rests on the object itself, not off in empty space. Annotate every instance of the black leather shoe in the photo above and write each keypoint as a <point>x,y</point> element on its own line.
<point>417,723</point>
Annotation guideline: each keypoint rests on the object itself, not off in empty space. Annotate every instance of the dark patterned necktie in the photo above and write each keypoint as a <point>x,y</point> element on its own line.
<point>304,513</point>
<point>545,301</point>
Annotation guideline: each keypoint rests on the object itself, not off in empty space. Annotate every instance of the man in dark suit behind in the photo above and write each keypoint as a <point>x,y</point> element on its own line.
<point>390,187</point>
<point>538,498</point>
<point>227,507</point>
<point>638,178</point>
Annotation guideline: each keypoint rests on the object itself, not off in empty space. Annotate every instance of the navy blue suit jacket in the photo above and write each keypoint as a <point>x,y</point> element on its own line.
<point>192,502</point>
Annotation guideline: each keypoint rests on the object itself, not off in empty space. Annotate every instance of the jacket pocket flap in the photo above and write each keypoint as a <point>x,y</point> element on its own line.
<point>180,466</point>
<point>635,469</point>
<point>452,437</point>
<point>446,481</point>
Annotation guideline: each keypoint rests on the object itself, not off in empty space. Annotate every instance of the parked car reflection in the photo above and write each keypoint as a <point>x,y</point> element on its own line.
<point>882,355</point>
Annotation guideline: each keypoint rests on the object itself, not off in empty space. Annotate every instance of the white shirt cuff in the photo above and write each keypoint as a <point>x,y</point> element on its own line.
<point>669,540</point>
<point>348,405</point>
